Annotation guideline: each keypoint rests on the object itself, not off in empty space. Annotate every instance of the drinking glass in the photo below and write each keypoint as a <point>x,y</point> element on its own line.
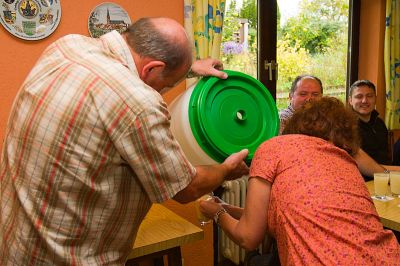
<point>203,220</point>
<point>381,181</point>
<point>395,183</point>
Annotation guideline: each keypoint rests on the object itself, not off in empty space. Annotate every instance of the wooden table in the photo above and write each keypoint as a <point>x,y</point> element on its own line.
<point>388,211</point>
<point>163,232</point>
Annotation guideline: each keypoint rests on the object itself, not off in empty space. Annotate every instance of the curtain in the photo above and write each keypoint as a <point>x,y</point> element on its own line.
<point>203,23</point>
<point>392,64</point>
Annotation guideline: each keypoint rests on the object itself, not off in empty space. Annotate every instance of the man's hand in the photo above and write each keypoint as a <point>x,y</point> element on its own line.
<point>208,67</point>
<point>209,177</point>
<point>236,165</point>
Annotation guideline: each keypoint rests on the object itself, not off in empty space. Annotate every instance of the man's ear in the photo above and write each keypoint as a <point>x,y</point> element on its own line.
<point>152,69</point>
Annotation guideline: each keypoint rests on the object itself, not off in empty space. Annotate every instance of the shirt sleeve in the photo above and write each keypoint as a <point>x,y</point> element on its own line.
<point>266,160</point>
<point>155,156</point>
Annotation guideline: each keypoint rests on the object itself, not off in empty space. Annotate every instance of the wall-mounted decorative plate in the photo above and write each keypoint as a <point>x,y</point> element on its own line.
<point>107,17</point>
<point>30,19</point>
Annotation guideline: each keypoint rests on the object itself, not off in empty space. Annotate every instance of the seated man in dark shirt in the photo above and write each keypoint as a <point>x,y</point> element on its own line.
<point>373,131</point>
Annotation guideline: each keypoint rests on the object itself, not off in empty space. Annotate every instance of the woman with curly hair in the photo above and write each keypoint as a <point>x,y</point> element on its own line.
<point>306,191</point>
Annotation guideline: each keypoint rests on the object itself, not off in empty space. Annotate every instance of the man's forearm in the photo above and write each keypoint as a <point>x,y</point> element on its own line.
<point>366,164</point>
<point>207,179</point>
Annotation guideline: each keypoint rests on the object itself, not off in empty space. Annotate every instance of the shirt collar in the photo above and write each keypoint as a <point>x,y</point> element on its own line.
<point>120,49</point>
<point>290,108</point>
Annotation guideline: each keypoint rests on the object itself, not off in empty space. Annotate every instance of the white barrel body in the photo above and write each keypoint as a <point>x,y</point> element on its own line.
<point>181,129</point>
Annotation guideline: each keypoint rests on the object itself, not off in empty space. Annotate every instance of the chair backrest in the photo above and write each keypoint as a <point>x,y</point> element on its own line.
<point>394,146</point>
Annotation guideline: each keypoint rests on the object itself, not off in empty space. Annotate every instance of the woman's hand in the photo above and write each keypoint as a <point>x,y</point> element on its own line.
<point>210,208</point>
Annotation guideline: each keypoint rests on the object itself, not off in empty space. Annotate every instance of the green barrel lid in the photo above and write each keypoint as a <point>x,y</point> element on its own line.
<point>227,115</point>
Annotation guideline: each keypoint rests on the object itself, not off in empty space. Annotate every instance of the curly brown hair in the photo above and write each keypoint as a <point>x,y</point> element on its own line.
<point>328,119</point>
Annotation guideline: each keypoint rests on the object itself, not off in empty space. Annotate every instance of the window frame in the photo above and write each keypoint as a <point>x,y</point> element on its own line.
<point>267,16</point>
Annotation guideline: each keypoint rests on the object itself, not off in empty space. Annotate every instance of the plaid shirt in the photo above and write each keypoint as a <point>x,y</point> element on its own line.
<point>87,149</point>
<point>284,117</point>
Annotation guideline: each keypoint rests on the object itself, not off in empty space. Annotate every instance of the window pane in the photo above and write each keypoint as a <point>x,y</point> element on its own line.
<point>239,37</point>
<point>312,39</point>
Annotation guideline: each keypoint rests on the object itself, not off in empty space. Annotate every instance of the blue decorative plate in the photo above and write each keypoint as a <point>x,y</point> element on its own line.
<point>30,19</point>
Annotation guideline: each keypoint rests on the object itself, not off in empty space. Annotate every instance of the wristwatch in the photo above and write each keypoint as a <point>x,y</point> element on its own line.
<point>218,214</point>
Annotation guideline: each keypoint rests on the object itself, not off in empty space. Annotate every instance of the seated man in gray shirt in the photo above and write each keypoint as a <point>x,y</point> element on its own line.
<point>304,88</point>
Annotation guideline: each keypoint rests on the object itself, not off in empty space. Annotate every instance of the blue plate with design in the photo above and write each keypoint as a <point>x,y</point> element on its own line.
<point>30,19</point>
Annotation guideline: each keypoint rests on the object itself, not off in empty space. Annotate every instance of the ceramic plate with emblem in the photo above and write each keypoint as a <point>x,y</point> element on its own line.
<point>107,17</point>
<point>30,19</point>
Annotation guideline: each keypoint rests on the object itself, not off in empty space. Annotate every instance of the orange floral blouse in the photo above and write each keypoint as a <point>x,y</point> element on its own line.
<point>320,211</point>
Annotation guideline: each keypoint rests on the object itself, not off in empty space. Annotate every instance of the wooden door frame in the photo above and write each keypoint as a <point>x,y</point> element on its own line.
<point>353,45</point>
<point>267,36</point>
<point>267,11</point>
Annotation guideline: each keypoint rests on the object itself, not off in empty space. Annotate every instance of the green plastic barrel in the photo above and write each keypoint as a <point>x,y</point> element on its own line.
<point>218,117</point>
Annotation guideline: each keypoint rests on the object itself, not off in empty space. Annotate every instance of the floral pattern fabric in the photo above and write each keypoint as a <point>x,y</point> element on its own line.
<point>203,23</point>
<point>392,64</point>
<point>320,210</point>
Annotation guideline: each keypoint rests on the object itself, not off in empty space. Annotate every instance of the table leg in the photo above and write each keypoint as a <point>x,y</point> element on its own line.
<point>158,261</point>
<point>173,254</point>
<point>174,257</point>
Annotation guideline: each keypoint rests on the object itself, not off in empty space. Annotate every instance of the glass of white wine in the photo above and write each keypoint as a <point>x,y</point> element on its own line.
<point>395,183</point>
<point>203,220</point>
<point>381,181</point>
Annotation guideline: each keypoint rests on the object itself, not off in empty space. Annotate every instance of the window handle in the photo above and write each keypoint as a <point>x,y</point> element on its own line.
<point>271,66</point>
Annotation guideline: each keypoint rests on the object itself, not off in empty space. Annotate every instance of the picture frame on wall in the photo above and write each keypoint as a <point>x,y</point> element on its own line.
<point>30,19</point>
<point>107,17</point>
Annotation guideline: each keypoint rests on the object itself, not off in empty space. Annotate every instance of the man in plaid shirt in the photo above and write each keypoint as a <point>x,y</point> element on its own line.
<point>88,147</point>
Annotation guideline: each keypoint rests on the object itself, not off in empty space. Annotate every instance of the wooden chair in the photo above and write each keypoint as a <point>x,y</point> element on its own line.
<point>393,136</point>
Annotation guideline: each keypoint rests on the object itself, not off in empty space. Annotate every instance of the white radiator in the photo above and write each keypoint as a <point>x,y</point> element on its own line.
<point>234,194</point>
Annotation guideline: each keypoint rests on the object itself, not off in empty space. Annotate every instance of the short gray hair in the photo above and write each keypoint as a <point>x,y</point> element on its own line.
<point>301,77</point>
<point>148,41</point>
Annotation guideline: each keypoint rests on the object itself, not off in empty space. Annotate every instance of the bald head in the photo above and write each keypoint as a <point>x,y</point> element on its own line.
<point>161,39</point>
<point>171,29</point>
